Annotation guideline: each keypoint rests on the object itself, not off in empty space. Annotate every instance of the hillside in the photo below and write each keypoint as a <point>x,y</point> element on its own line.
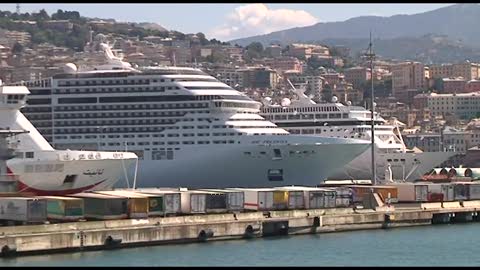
<point>427,49</point>
<point>39,26</point>
<point>458,22</point>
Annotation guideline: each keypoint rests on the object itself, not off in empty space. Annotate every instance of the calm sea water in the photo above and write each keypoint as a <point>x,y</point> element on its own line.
<point>440,245</point>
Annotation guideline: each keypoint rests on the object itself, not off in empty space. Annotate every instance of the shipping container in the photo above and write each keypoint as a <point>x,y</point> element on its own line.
<point>444,188</point>
<point>23,209</point>
<point>466,191</point>
<point>330,199</point>
<point>264,199</point>
<point>235,199</point>
<point>474,191</point>
<point>342,202</point>
<point>64,208</point>
<point>137,205</point>
<point>215,201</point>
<point>193,202</point>
<point>103,207</point>
<point>344,196</point>
<point>296,196</point>
<point>460,191</point>
<point>435,197</point>
<point>171,199</point>
<point>385,192</point>
<point>343,192</point>
<point>410,192</point>
<point>313,197</point>
<point>155,201</point>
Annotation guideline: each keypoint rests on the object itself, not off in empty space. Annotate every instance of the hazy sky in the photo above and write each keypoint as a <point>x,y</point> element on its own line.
<point>229,21</point>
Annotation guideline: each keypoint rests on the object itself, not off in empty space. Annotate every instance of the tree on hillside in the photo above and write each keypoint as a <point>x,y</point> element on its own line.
<point>66,15</point>
<point>5,14</point>
<point>203,40</point>
<point>254,50</point>
<point>314,63</point>
<point>42,15</point>
<point>327,93</point>
<point>39,36</point>
<point>215,41</point>
<point>438,84</point>
<point>178,35</point>
<point>17,48</point>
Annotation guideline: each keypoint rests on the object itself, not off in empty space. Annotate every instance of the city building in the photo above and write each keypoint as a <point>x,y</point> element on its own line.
<point>407,79</point>
<point>456,140</point>
<point>454,85</point>
<point>357,76</point>
<point>281,64</point>
<point>420,101</point>
<point>273,51</point>
<point>180,55</point>
<point>259,77</point>
<point>231,76</point>
<point>333,78</point>
<point>467,70</point>
<point>463,106</point>
<point>472,86</point>
<point>305,51</point>
<point>9,38</point>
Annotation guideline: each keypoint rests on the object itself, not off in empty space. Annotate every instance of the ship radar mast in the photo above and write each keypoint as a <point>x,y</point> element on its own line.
<point>302,98</point>
<point>371,56</point>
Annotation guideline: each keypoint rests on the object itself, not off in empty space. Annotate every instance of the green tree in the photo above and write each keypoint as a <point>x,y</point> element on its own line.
<point>39,36</point>
<point>327,93</point>
<point>58,15</point>
<point>438,84</point>
<point>203,40</point>
<point>314,63</point>
<point>17,48</point>
<point>254,50</point>
<point>42,15</point>
<point>179,35</point>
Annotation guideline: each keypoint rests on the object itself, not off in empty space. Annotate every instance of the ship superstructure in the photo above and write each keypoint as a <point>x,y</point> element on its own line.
<point>41,169</point>
<point>336,120</point>
<point>188,128</point>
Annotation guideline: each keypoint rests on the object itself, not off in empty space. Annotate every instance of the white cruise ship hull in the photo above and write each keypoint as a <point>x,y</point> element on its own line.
<point>305,163</point>
<point>404,166</point>
<point>48,176</point>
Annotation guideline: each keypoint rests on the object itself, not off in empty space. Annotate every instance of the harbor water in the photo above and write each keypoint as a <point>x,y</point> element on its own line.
<point>439,245</point>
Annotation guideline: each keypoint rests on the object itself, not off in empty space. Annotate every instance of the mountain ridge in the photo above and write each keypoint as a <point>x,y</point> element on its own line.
<point>455,21</point>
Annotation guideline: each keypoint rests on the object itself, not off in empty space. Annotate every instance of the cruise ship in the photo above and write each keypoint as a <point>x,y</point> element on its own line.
<point>187,128</point>
<point>303,116</point>
<point>40,169</point>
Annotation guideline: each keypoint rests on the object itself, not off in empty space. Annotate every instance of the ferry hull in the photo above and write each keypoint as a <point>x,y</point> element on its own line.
<point>84,175</point>
<point>404,166</point>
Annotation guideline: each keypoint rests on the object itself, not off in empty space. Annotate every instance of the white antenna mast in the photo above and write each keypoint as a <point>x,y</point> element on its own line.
<point>300,93</point>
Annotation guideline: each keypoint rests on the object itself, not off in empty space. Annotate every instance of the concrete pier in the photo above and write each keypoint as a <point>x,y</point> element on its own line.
<point>88,235</point>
